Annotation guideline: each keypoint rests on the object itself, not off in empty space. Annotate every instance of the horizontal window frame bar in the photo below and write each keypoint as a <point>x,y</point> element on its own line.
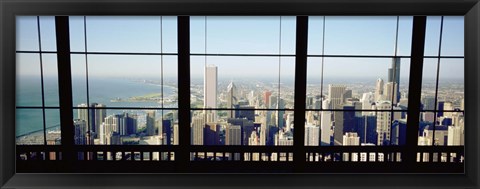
<point>239,148</point>
<point>436,111</point>
<point>123,108</point>
<point>359,110</point>
<point>37,107</point>
<point>238,55</point>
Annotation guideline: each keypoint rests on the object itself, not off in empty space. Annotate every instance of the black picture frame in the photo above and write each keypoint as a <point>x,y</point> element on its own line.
<point>10,8</point>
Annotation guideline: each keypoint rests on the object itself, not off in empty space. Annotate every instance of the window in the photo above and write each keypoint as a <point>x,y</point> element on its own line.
<point>128,95</point>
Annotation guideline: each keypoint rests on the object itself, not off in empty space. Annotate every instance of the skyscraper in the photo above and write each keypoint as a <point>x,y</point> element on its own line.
<point>390,92</point>
<point>210,86</point>
<point>233,135</point>
<point>312,133</point>
<point>344,122</point>
<point>96,117</point>
<point>383,122</point>
<point>379,90</point>
<point>266,98</point>
<point>80,131</point>
<point>336,95</point>
<point>198,123</point>
<point>150,124</point>
<point>326,124</point>
<point>394,76</point>
<point>231,99</point>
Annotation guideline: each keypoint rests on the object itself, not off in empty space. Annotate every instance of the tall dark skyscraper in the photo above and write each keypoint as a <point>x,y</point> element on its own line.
<point>367,125</point>
<point>344,122</point>
<point>394,76</point>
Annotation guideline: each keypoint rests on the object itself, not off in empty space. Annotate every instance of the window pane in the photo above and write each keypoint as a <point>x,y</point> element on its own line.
<point>449,128</point>
<point>354,128</point>
<point>245,74</point>
<point>365,79</point>
<point>315,35</point>
<point>27,33</point>
<point>52,121</point>
<point>125,126</point>
<point>28,80</point>
<point>453,36</point>
<point>129,81</point>
<point>77,34</point>
<point>29,126</point>
<point>243,35</point>
<point>123,34</point>
<point>451,84</point>
<point>432,35</point>
<point>79,79</point>
<point>50,79</point>
<point>348,35</point>
<point>48,33</point>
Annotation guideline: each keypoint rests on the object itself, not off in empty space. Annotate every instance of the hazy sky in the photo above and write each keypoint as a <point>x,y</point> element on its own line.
<point>241,35</point>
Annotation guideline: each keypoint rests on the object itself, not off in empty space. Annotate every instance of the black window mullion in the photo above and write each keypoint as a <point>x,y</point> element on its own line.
<point>300,92</point>
<point>65,86</point>
<point>182,155</point>
<point>415,87</point>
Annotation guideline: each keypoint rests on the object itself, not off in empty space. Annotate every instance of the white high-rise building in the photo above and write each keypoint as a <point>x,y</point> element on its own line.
<point>351,139</point>
<point>379,90</point>
<point>312,133</point>
<point>384,122</point>
<point>390,90</point>
<point>367,100</point>
<point>326,123</point>
<point>455,136</point>
<point>231,99</point>
<point>198,123</point>
<point>210,86</point>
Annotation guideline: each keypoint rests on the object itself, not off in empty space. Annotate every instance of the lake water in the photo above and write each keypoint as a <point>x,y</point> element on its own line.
<point>101,90</point>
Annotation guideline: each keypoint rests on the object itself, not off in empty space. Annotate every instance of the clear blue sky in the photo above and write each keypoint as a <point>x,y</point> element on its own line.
<point>374,35</point>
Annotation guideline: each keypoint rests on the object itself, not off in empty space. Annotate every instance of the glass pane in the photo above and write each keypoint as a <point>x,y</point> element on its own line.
<point>79,79</point>
<point>347,35</point>
<point>451,81</point>
<point>243,34</point>
<point>432,35</point>
<point>48,33</point>
<point>27,33</point>
<point>315,35</point>
<point>169,34</point>
<point>28,80</point>
<point>125,126</point>
<point>50,79</point>
<point>244,75</point>
<point>453,36</point>
<point>77,34</point>
<point>29,126</point>
<point>404,43</point>
<point>365,80</point>
<point>314,83</point>
<point>429,83</point>
<point>52,121</point>
<point>123,34</point>
<point>449,129</point>
<point>129,81</point>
